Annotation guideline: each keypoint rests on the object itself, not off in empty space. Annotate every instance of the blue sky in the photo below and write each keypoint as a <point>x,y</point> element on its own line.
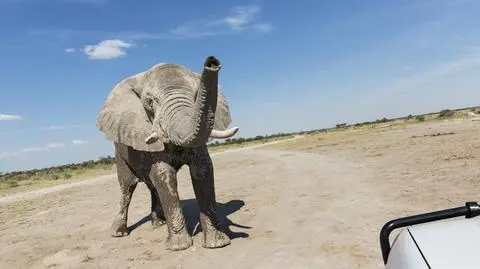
<point>288,65</point>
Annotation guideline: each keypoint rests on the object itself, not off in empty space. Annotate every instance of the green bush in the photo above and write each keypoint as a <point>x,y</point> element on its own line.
<point>446,113</point>
<point>420,118</point>
<point>382,120</point>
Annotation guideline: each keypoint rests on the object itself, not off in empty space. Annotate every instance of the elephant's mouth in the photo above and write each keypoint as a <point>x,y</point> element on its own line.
<point>212,63</point>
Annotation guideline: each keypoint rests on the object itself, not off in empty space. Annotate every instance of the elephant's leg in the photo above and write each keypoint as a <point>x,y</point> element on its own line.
<point>164,179</point>
<point>128,182</point>
<point>201,172</point>
<point>157,215</point>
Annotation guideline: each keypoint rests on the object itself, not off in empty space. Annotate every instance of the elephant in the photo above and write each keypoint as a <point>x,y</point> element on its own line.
<point>159,120</point>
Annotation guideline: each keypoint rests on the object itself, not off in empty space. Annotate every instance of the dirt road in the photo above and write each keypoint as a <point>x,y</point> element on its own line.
<point>290,201</point>
<point>22,196</point>
<point>321,207</point>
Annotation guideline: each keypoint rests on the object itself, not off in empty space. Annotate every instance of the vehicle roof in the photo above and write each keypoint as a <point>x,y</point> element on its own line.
<point>449,244</point>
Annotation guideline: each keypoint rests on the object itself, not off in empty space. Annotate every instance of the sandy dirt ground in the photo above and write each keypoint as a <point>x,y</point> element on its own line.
<point>314,202</point>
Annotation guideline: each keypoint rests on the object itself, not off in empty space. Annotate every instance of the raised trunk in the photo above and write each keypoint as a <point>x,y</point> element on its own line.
<point>191,127</point>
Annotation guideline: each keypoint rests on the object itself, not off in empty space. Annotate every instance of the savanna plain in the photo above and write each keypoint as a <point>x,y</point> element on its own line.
<point>314,201</point>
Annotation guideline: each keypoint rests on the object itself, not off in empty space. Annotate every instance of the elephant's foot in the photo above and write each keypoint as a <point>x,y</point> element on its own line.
<point>213,238</point>
<point>179,241</point>
<point>119,229</point>
<point>157,219</point>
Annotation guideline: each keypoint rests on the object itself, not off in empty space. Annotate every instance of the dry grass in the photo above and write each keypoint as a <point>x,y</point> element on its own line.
<point>247,144</point>
<point>429,165</point>
<point>27,182</point>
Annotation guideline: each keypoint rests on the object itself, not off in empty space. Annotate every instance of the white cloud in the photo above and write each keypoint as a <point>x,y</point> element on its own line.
<point>107,49</point>
<point>263,27</point>
<point>47,147</point>
<point>192,30</point>
<point>5,117</point>
<point>240,19</point>
<point>423,81</point>
<point>41,148</point>
<point>58,127</point>
<point>55,145</point>
<point>241,16</point>
<point>79,142</point>
<point>445,69</point>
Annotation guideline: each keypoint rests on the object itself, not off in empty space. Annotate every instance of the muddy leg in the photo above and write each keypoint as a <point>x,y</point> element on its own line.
<point>128,182</point>
<point>164,179</point>
<point>201,172</point>
<point>157,215</point>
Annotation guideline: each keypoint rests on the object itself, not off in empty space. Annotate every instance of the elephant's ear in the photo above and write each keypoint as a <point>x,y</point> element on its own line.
<point>123,118</point>
<point>222,113</point>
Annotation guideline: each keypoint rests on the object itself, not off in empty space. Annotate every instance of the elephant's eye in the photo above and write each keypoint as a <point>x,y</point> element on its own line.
<point>149,108</point>
<point>148,103</point>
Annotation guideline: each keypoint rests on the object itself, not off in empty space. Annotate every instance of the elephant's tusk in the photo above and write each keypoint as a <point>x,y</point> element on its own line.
<point>152,138</point>
<point>224,134</point>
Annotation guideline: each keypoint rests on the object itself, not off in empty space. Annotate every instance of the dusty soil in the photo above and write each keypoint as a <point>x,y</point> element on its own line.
<point>315,202</point>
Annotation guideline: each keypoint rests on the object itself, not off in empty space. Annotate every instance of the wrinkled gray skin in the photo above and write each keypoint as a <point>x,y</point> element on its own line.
<point>160,120</point>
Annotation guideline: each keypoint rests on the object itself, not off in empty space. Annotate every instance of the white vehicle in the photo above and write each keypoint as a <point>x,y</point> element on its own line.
<point>428,243</point>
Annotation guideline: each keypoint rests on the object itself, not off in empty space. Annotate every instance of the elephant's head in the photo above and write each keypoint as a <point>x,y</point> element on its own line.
<point>167,104</point>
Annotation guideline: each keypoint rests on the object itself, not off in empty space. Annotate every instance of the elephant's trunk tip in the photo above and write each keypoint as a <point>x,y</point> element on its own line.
<point>212,63</point>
